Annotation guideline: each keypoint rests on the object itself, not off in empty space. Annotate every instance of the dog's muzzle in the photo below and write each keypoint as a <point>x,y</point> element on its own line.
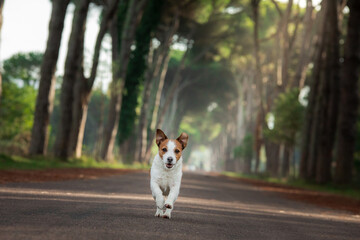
<point>169,163</point>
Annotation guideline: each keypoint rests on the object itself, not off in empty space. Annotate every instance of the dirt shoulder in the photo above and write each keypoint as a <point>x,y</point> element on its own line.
<point>7,176</point>
<point>322,199</point>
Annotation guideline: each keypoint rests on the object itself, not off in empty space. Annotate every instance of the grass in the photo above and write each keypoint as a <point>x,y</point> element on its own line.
<point>341,190</point>
<point>38,163</point>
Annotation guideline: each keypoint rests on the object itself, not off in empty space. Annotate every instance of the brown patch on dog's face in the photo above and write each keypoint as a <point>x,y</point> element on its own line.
<point>178,149</point>
<point>183,139</point>
<point>163,147</point>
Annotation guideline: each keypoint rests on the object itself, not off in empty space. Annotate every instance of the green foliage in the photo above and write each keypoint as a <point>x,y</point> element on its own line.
<point>245,150</point>
<point>21,72</point>
<point>16,117</point>
<point>16,110</point>
<point>207,8</point>
<point>24,67</point>
<point>137,67</point>
<point>175,57</point>
<point>197,127</point>
<point>288,114</point>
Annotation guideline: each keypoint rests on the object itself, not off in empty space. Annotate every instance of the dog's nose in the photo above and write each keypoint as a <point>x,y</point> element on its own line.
<point>170,159</point>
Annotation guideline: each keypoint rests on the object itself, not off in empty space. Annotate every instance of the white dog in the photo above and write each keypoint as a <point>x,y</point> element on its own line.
<point>166,172</point>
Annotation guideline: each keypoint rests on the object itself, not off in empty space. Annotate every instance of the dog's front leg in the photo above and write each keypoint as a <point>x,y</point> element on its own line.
<point>169,203</point>
<point>159,199</point>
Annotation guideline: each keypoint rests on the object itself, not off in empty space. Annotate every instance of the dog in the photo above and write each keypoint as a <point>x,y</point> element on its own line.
<point>166,172</point>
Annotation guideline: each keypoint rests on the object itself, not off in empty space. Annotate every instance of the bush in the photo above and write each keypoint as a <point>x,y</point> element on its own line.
<point>16,117</point>
<point>245,150</point>
<point>288,118</point>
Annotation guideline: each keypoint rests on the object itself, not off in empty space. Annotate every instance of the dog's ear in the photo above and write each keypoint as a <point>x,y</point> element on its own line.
<point>183,139</point>
<point>160,137</point>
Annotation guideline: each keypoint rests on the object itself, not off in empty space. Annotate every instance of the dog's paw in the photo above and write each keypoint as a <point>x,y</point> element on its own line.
<point>159,213</point>
<point>166,215</point>
<point>168,205</point>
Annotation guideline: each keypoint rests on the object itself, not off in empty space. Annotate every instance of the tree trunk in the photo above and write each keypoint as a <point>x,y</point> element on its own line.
<point>72,64</point>
<point>100,129</point>
<point>172,123</point>
<point>311,128</point>
<point>300,75</point>
<point>84,86</point>
<point>259,84</point>
<point>240,118</point>
<point>272,158</point>
<point>317,108</point>
<point>117,85</point>
<point>330,91</point>
<point>141,140</point>
<point>1,23</point>
<point>349,97</point>
<point>310,132</point>
<point>285,46</point>
<point>285,166</point>
<point>154,124</point>
<point>258,139</point>
<point>79,113</point>
<point>46,92</point>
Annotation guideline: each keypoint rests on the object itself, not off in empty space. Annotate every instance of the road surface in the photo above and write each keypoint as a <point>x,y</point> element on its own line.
<point>121,207</point>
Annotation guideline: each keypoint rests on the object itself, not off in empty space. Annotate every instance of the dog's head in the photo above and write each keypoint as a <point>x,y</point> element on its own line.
<point>170,150</point>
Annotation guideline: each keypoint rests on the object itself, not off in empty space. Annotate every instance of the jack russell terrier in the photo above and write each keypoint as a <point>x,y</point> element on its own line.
<point>166,172</point>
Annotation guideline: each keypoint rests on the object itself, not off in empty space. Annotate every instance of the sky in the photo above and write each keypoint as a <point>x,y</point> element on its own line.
<point>302,3</point>
<point>25,29</point>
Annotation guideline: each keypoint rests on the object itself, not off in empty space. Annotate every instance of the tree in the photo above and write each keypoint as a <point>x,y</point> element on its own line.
<point>16,117</point>
<point>1,23</point>
<point>83,86</point>
<point>18,100</point>
<point>323,103</point>
<point>73,62</point>
<point>258,81</point>
<point>309,132</point>
<point>245,152</point>
<point>329,94</point>
<point>24,67</point>
<point>46,92</point>
<point>304,58</point>
<point>120,64</point>
<point>136,68</point>
<point>288,118</point>
<point>348,97</point>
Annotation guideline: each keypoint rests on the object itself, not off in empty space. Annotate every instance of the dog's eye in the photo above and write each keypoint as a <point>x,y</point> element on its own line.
<point>177,151</point>
<point>164,149</point>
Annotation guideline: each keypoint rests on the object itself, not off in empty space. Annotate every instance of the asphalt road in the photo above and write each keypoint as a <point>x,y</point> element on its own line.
<point>121,207</point>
